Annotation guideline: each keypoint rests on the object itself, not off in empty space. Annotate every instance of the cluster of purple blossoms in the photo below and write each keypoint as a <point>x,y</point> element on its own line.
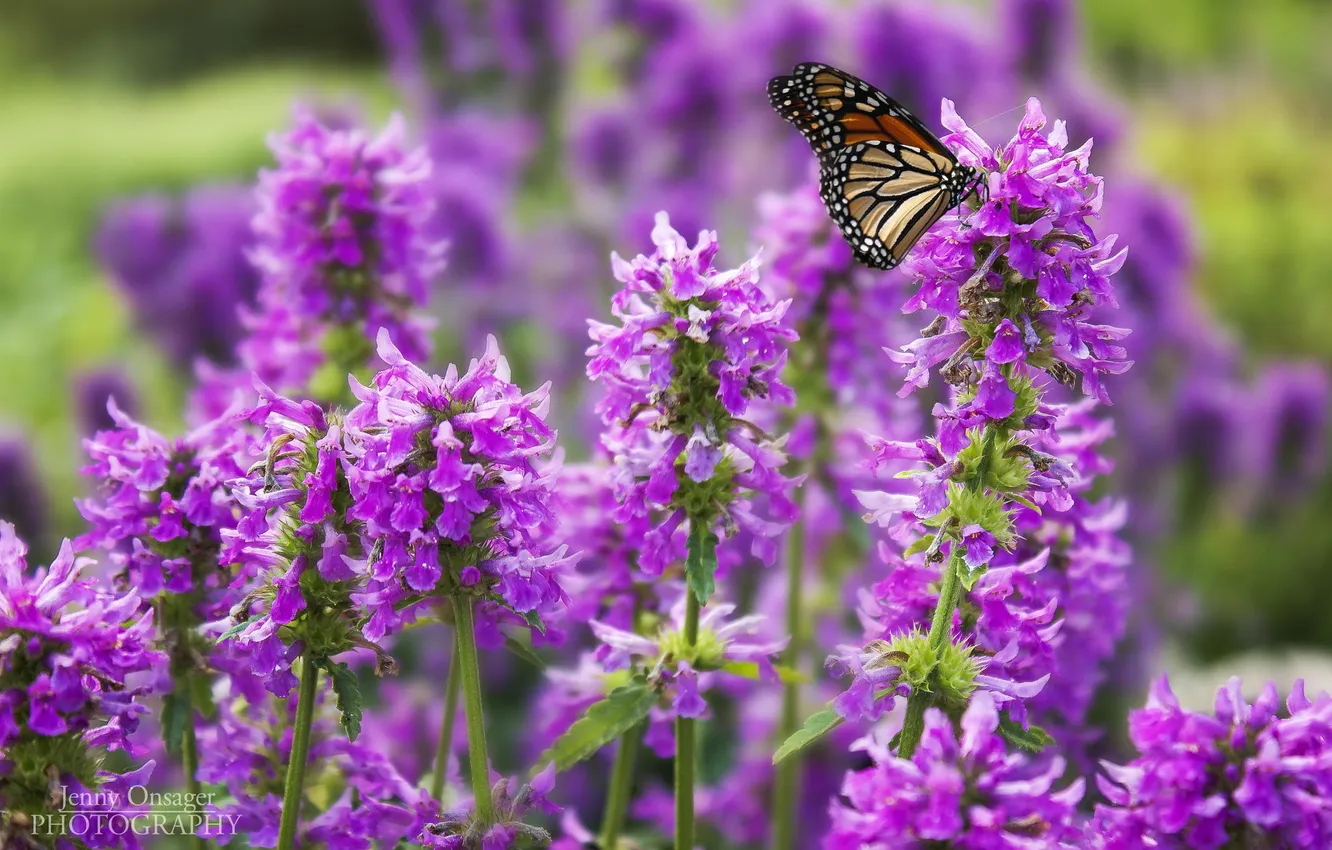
<point>1246,776</point>
<point>181,262</point>
<point>162,506</point>
<point>361,798</point>
<point>1030,234</point>
<point>678,669</point>
<point>67,653</point>
<point>963,789</point>
<point>460,831</point>
<point>448,482</point>
<point>1002,482</point>
<point>293,543</point>
<point>694,348</point>
<point>342,244</point>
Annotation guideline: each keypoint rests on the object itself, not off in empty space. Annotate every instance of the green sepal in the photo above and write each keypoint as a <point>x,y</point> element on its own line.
<point>921,545</point>
<point>602,723</point>
<point>533,619</point>
<point>816,726</point>
<point>348,691</point>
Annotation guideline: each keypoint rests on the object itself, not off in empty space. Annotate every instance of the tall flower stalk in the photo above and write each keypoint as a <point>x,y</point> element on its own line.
<point>160,510</point>
<point>694,347</point>
<point>1011,290</point>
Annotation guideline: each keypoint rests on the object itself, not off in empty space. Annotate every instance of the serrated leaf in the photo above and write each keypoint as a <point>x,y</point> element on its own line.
<point>201,693</point>
<point>920,545</point>
<point>348,691</point>
<point>238,628</point>
<point>524,652</point>
<point>1032,739</point>
<point>701,565</point>
<point>816,726</point>
<point>175,714</point>
<point>533,619</point>
<point>603,722</point>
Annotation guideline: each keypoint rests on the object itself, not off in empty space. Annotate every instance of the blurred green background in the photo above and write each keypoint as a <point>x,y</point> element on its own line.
<point>115,97</point>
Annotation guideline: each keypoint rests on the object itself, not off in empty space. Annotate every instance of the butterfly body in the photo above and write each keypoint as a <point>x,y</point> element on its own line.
<point>885,177</point>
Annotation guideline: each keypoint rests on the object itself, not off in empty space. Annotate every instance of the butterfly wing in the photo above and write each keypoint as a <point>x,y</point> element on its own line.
<point>886,178</point>
<point>884,196</point>
<point>834,109</point>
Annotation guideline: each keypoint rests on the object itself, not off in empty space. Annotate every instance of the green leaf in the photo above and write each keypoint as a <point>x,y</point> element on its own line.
<point>818,725</point>
<point>750,670</point>
<point>200,686</point>
<point>920,545</point>
<point>701,565</point>
<point>524,652</point>
<point>533,619</point>
<point>603,722</point>
<point>1023,500</point>
<point>175,714</point>
<point>348,691</point>
<point>238,628</point>
<point>1033,739</point>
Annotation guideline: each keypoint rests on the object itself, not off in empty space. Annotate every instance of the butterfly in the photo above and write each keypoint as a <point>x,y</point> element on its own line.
<point>885,178</point>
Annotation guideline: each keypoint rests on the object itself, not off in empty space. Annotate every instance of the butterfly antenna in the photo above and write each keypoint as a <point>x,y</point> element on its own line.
<point>998,115</point>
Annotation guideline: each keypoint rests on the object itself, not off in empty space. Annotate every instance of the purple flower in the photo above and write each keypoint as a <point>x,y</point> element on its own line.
<point>680,670</point>
<point>23,498</point>
<point>342,243</point>
<point>68,652</point>
<point>162,506</point>
<point>1049,242</point>
<point>966,790</point>
<point>459,831</point>
<point>181,261</point>
<point>450,470</point>
<point>1206,781</point>
<point>694,349</point>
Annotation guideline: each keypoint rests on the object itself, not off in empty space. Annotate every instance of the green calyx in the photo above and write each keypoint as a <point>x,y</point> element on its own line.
<point>976,507</point>
<point>995,462</point>
<point>949,674</point>
<point>707,653</point>
<point>38,762</point>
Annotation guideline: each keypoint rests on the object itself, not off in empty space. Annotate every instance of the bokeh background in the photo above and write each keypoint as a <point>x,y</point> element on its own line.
<point>130,129</point>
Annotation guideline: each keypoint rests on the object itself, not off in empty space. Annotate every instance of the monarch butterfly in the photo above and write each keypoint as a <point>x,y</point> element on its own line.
<point>885,178</point>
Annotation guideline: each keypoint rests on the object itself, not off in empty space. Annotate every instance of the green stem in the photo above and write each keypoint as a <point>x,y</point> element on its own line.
<point>621,788</point>
<point>294,789</point>
<point>786,786</point>
<point>686,746</point>
<point>189,762</point>
<point>445,746</point>
<point>464,624</point>
<point>913,726</point>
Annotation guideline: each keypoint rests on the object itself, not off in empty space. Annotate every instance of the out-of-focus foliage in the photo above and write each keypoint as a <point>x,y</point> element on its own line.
<point>79,146</point>
<point>1145,43</point>
<point>163,40</point>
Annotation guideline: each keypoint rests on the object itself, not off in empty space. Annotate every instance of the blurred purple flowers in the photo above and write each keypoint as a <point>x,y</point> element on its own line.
<point>1246,775</point>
